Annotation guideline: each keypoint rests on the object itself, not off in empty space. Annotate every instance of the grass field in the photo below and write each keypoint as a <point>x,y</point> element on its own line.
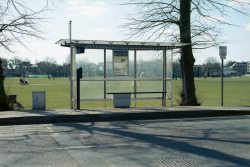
<point>236,92</point>
<point>57,91</point>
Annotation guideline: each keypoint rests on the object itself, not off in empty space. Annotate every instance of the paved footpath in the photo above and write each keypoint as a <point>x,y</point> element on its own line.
<point>116,114</point>
<point>186,142</point>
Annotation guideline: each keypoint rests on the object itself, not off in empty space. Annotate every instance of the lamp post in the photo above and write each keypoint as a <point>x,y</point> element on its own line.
<point>223,54</point>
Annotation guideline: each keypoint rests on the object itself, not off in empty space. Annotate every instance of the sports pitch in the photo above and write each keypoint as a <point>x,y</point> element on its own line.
<point>236,92</point>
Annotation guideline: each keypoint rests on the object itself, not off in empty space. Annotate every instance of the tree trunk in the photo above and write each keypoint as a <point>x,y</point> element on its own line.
<point>3,100</point>
<point>187,59</point>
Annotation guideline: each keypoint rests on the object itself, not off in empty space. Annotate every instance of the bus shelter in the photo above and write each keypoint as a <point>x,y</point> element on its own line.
<point>121,66</point>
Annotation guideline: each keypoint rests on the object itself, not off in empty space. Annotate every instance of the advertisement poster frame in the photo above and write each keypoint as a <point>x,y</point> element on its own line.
<point>120,62</point>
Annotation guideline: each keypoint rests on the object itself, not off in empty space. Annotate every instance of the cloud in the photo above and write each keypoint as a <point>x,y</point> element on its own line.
<point>82,8</point>
<point>99,30</point>
<point>74,2</point>
<point>247,27</point>
<point>100,3</point>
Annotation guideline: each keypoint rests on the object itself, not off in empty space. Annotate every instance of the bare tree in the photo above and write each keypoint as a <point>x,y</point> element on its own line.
<point>18,22</point>
<point>212,66</point>
<point>187,21</point>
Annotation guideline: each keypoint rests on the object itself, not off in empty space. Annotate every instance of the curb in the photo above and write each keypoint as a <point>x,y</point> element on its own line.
<point>120,116</point>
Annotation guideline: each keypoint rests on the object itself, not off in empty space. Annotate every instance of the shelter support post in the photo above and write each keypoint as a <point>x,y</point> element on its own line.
<point>71,82</point>
<point>164,78</point>
<point>71,61</point>
<point>105,76</point>
<point>135,72</point>
<point>73,78</point>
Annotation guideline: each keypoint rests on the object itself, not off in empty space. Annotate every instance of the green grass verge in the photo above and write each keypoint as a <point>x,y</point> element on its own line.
<point>57,91</point>
<point>236,92</point>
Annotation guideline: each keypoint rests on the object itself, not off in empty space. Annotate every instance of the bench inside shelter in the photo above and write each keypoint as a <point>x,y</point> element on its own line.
<point>123,99</point>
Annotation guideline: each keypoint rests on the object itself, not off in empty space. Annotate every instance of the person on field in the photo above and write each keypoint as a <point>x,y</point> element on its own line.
<point>26,82</point>
<point>21,81</point>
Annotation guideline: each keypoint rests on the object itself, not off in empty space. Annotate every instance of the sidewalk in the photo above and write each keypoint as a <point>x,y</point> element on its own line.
<point>116,114</point>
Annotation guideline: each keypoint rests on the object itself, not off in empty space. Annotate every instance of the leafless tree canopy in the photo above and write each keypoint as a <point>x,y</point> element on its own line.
<point>19,22</point>
<point>160,19</point>
<point>187,21</point>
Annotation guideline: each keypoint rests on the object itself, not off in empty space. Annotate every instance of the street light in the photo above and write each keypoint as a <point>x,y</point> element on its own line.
<point>223,54</point>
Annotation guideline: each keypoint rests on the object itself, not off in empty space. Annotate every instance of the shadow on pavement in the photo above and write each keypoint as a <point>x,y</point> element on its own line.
<point>169,143</point>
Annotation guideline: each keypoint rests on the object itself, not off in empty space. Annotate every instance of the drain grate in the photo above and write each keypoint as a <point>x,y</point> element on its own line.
<point>176,162</point>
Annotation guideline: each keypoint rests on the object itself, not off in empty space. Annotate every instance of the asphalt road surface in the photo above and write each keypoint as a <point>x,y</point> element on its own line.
<point>204,142</point>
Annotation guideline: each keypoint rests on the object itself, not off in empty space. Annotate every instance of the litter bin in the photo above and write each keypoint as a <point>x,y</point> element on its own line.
<point>121,100</point>
<point>38,100</point>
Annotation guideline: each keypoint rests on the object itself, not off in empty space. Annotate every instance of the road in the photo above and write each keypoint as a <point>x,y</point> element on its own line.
<point>204,142</point>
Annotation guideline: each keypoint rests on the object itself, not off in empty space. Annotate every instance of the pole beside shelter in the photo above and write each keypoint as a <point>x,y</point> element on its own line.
<point>223,54</point>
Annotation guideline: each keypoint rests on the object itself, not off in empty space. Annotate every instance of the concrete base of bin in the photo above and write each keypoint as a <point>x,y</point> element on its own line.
<point>38,100</point>
<point>121,100</point>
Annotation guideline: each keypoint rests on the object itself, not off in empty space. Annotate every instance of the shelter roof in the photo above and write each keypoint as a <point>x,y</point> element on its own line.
<point>121,45</point>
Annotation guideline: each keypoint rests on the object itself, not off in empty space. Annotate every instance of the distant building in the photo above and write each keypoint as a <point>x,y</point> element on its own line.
<point>32,69</point>
<point>10,71</point>
<point>61,71</point>
<point>240,68</point>
<point>228,71</point>
<point>248,67</point>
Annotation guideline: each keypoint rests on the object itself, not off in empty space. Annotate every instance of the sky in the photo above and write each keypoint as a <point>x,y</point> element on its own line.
<point>102,20</point>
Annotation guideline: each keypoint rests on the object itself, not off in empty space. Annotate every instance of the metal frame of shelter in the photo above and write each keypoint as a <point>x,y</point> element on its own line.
<point>79,46</point>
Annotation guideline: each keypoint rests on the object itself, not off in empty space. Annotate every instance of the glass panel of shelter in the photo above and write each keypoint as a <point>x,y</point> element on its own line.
<point>148,64</point>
